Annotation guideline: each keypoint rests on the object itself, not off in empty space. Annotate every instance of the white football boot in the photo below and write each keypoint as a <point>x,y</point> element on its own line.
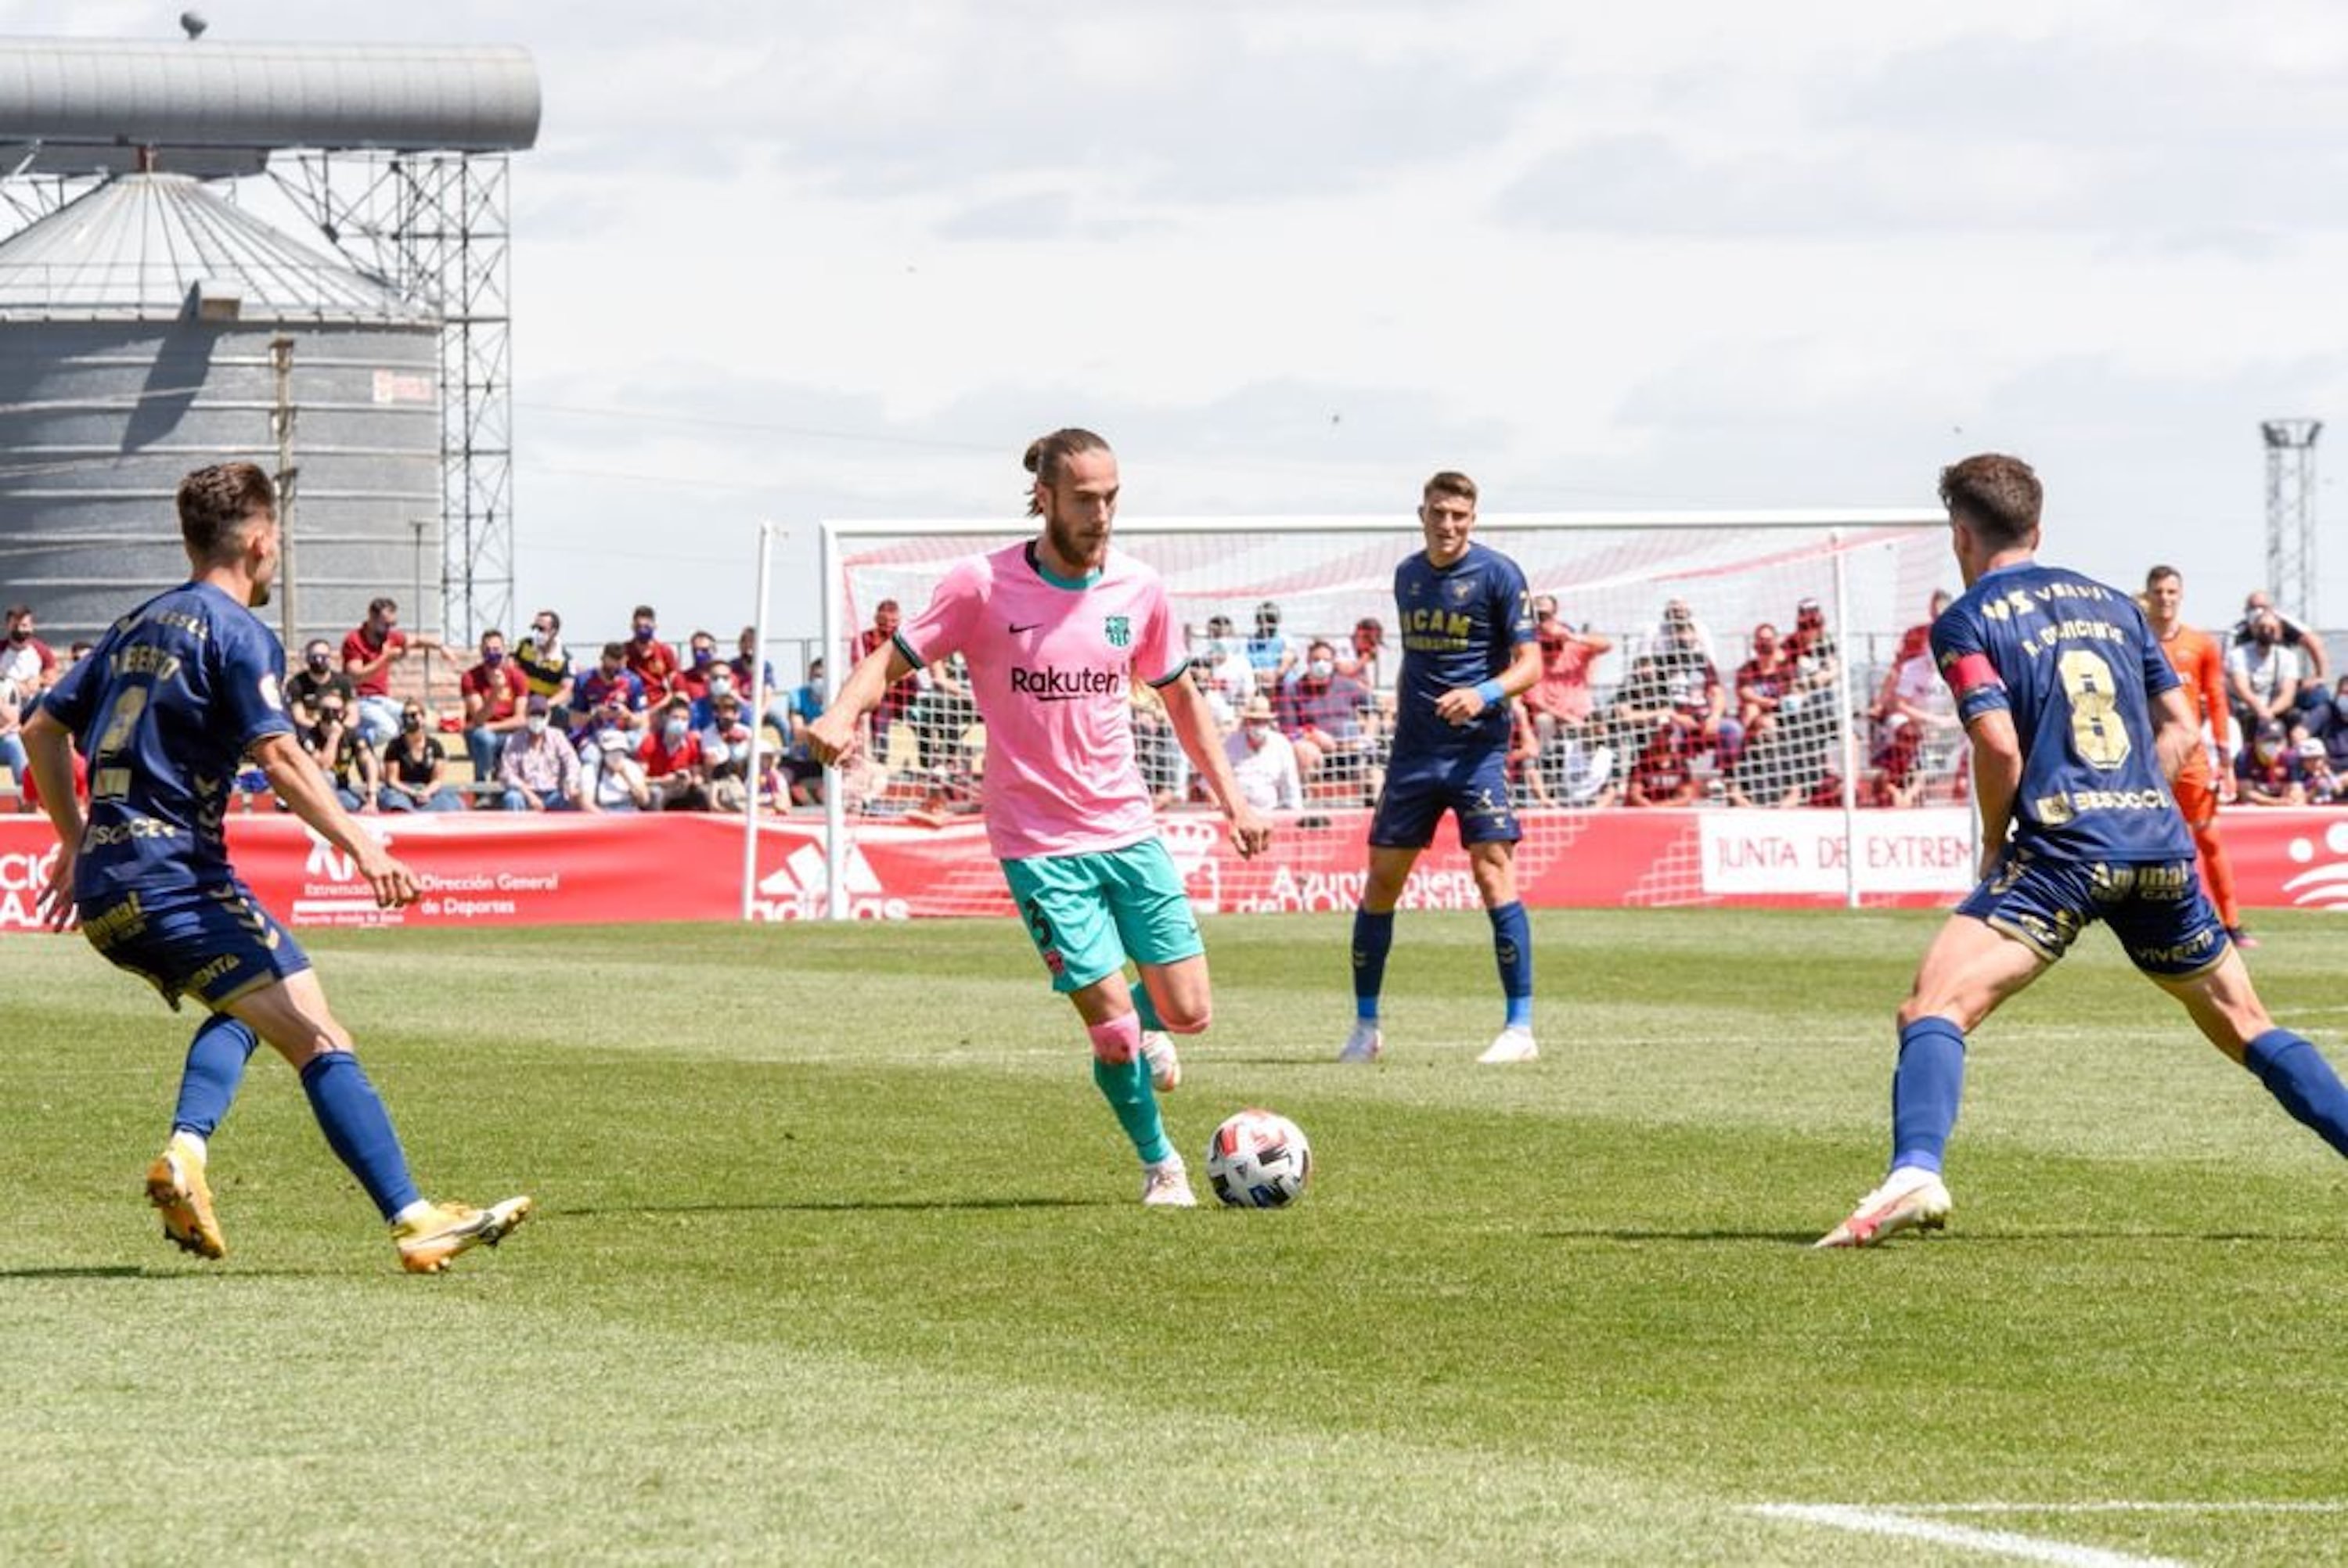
<point>1514,1043</point>
<point>1167,1185</point>
<point>1910,1198</point>
<point>1365,1043</point>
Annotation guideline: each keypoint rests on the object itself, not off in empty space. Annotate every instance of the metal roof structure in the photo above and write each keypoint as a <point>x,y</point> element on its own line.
<point>153,247</point>
<point>74,106</point>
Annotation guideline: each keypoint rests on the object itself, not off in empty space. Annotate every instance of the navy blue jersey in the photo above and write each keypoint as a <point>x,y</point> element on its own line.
<point>164,708</point>
<point>1460,625</point>
<point>2075,664</point>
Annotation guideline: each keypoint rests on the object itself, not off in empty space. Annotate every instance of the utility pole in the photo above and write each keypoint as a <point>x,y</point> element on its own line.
<point>2290,515</point>
<point>281,357</point>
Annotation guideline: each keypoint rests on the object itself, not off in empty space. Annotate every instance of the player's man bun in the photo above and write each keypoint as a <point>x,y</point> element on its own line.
<point>1047,454</point>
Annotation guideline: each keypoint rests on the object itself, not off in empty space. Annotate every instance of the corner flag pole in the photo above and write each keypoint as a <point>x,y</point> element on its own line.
<point>758,696</point>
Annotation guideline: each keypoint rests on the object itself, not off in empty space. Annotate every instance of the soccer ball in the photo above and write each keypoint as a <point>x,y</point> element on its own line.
<point>1259,1160</point>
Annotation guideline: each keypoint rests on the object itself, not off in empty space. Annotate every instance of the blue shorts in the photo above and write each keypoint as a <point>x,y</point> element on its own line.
<point>1473,785</point>
<point>1085,913</point>
<point>213,944</point>
<point>2156,909</point>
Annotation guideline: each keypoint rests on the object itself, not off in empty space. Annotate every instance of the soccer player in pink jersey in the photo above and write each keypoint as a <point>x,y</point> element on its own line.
<point>1052,630</point>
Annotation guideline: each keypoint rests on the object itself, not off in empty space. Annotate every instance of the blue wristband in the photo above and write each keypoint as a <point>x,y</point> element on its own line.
<point>1490,691</point>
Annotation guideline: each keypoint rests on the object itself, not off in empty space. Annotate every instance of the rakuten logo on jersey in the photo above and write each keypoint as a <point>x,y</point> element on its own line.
<point>23,873</point>
<point>800,889</point>
<point>1066,685</point>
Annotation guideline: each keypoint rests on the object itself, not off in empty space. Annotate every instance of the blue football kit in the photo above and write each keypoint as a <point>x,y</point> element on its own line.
<point>1460,625</point>
<point>164,708</point>
<point>2097,834</point>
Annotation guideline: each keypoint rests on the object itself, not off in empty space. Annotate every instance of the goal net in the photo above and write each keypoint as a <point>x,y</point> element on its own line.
<point>1705,670</point>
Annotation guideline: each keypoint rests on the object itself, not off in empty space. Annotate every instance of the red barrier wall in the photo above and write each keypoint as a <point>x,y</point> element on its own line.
<point>497,869</point>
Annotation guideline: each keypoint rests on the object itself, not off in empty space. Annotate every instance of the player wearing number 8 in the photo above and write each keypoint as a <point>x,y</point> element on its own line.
<point>175,697</point>
<point>2078,725</point>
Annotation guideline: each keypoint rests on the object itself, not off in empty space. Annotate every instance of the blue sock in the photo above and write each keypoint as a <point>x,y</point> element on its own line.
<point>1512,945</point>
<point>358,1129</point>
<point>1146,1008</point>
<point>1373,938</point>
<point>1126,1086</point>
<point>208,1084</point>
<point>1925,1088</point>
<point>2295,1073</point>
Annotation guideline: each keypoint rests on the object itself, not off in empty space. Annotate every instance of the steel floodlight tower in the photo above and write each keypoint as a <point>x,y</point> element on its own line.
<point>2290,515</point>
<point>434,226</point>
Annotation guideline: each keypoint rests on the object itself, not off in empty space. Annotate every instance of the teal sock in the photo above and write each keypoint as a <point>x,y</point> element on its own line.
<point>1147,1008</point>
<point>1124,1079</point>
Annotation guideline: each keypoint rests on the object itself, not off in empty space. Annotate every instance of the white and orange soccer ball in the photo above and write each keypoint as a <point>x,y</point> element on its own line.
<point>1259,1160</point>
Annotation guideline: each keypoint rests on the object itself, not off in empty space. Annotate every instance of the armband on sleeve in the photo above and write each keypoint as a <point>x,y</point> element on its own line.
<point>1977,686</point>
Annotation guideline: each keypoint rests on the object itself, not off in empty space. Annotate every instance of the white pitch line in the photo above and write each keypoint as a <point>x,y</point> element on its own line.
<point>1998,1543</point>
<point>2120,1507</point>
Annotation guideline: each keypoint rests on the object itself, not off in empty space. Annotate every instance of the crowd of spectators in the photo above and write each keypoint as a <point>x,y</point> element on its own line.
<point>1689,717</point>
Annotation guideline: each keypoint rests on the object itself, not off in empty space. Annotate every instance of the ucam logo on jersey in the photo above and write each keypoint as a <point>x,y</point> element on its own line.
<point>800,889</point>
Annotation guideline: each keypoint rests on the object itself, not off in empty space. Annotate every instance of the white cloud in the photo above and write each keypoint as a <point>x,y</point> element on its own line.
<point>1290,256</point>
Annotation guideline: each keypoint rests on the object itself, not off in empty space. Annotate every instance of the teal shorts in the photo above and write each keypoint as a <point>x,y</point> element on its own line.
<point>1087,914</point>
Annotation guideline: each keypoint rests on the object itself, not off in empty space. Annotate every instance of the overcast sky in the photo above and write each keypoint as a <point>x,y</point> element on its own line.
<point>829,259</point>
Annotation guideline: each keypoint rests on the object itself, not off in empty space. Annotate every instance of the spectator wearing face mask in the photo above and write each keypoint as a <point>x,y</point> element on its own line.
<point>538,769</point>
<point>725,752</point>
<point>1229,677</point>
<point>314,680</point>
<point>416,768</point>
<point>25,658</point>
<point>1561,698</point>
<point>1326,716</point>
<point>651,660</point>
<point>615,778</point>
<point>718,682</point>
<point>1269,654</point>
<point>701,662</point>
<point>754,683</point>
<point>673,762</point>
<point>493,691</point>
<point>2301,640</point>
<point>2265,673</point>
<point>1264,760</point>
<point>545,664</point>
<point>2268,772</point>
<point>2324,785</point>
<point>611,683</point>
<point>343,754</point>
<point>13,703</point>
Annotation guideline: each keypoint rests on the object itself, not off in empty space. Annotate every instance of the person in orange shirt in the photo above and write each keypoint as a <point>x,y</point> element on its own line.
<point>2201,665</point>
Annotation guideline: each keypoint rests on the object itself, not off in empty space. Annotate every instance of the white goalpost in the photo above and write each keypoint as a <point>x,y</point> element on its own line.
<point>1829,745</point>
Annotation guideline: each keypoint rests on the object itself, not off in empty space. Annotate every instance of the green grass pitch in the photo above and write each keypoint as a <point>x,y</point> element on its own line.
<point>838,1258</point>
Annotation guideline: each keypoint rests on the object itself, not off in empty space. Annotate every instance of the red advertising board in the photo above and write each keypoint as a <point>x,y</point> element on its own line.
<point>491,869</point>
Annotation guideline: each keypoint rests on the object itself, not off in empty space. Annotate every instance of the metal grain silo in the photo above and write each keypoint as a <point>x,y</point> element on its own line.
<point>136,332</point>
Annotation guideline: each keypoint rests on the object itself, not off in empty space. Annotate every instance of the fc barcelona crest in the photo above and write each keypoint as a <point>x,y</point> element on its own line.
<point>1120,631</point>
